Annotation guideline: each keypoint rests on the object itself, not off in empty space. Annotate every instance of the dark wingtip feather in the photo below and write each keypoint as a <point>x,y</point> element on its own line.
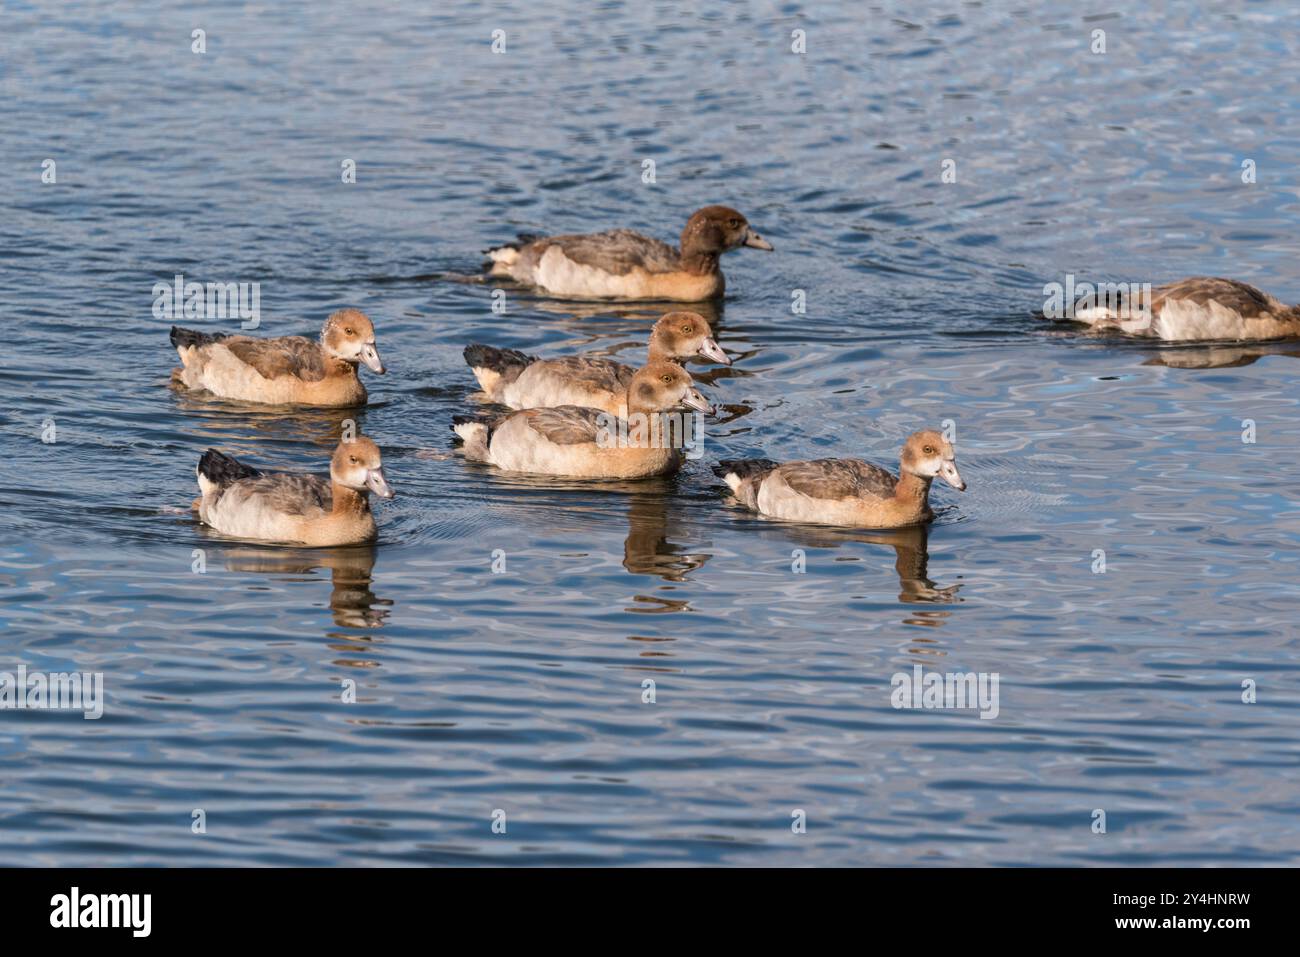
<point>221,469</point>
<point>743,468</point>
<point>522,240</point>
<point>500,361</point>
<point>190,337</point>
<point>488,422</point>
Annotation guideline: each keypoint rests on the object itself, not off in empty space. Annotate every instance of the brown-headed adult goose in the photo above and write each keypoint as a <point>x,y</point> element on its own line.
<point>1199,309</point>
<point>285,508</point>
<point>592,443</point>
<point>521,381</point>
<point>622,264</point>
<point>291,370</point>
<point>846,491</point>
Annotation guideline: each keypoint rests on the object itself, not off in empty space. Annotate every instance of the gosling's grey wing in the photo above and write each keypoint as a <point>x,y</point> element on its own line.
<point>283,493</point>
<point>617,251</point>
<point>1244,299</point>
<point>836,479</point>
<point>596,373</point>
<point>285,356</point>
<point>567,424</point>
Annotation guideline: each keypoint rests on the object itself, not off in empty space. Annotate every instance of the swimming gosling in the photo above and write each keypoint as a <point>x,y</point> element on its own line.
<point>846,492</point>
<point>290,370</point>
<point>592,443</point>
<point>290,508</point>
<point>622,264</point>
<point>522,381</point>
<point>1198,309</point>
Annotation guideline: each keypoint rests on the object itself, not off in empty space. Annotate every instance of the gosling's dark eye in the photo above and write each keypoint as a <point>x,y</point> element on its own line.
<point>353,459</point>
<point>349,332</point>
<point>667,378</point>
<point>687,329</point>
<point>734,224</point>
<point>928,451</point>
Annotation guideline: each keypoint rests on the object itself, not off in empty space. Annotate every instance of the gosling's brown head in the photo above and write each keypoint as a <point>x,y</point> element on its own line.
<point>928,455</point>
<point>680,335</point>
<point>358,465</point>
<point>350,335</point>
<point>662,387</point>
<point>719,229</point>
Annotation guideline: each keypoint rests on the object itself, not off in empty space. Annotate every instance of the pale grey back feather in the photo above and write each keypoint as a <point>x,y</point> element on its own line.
<point>565,424</point>
<point>592,372</point>
<point>284,493</point>
<point>838,479</point>
<point>617,251</point>
<point>1243,299</point>
<point>272,358</point>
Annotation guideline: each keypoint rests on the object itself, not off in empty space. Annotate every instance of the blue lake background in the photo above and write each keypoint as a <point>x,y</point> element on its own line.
<point>522,691</point>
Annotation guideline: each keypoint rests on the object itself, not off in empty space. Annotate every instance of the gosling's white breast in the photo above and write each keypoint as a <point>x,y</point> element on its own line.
<point>559,273</point>
<point>1185,319</point>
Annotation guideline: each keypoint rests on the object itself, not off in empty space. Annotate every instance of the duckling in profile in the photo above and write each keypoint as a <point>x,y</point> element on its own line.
<point>846,492</point>
<point>1199,309</point>
<point>521,381</point>
<point>293,509</point>
<point>291,370</point>
<point>591,443</point>
<point>622,264</point>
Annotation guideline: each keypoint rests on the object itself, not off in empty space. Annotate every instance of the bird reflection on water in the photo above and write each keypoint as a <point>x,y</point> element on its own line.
<point>353,603</point>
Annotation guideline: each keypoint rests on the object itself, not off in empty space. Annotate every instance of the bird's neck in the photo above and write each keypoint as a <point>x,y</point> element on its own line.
<point>336,366</point>
<point>699,262</point>
<point>639,408</point>
<point>658,352</point>
<point>348,501</point>
<point>912,488</point>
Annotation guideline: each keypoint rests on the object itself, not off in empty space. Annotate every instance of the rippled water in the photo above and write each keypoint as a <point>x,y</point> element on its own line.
<point>522,691</point>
